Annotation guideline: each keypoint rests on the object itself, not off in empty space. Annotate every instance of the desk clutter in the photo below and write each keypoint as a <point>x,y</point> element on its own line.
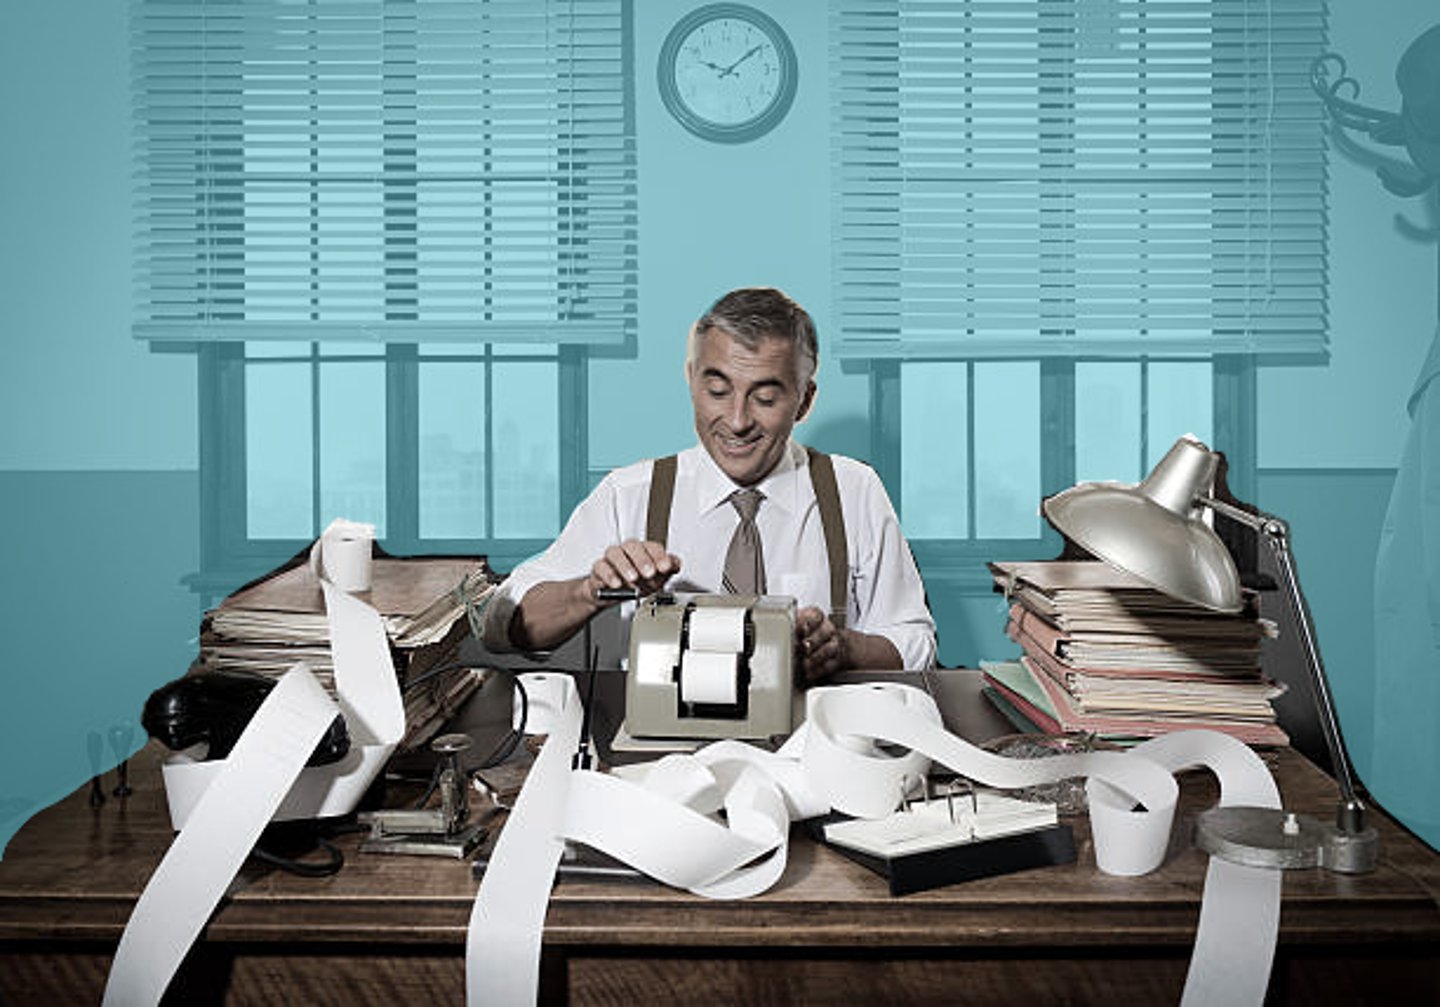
<point>1103,653</point>
<point>269,624</point>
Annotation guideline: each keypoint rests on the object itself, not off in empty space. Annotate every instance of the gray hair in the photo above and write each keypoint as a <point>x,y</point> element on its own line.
<point>751,314</point>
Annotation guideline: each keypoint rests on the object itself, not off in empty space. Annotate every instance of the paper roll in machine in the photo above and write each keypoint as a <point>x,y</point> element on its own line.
<point>711,666</point>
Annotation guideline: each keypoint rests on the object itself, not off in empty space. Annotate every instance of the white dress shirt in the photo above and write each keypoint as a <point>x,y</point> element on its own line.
<point>886,596</point>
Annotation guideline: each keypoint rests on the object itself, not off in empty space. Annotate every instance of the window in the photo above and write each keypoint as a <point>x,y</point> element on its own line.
<point>444,448</point>
<point>393,230</point>
<point>1069,230</point>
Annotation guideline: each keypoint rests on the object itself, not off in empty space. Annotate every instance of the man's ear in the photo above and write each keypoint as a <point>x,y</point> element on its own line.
<point>806,401</point>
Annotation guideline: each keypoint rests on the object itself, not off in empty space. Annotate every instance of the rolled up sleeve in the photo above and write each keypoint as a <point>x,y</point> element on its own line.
<point>887,594</point>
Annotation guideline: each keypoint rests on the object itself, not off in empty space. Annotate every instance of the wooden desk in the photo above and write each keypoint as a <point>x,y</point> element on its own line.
<point>392,929</point>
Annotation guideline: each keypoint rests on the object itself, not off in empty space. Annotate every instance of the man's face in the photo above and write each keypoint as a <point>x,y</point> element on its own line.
<point>746,402</point>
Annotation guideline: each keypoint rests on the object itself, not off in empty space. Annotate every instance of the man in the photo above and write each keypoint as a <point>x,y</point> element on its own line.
<point>750,365</point>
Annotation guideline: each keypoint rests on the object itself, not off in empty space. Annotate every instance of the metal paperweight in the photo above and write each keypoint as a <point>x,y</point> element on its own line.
<point>1272,837</point>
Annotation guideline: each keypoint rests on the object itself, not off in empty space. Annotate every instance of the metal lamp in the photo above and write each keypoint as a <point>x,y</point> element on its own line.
<point>1156,530</point>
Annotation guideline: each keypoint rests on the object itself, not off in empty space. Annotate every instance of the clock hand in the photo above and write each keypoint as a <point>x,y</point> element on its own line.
<point>730,70</point>
<point>714,66</point>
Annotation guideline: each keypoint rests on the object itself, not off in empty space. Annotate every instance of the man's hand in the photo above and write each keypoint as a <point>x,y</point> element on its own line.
<point>645,566</point>
<point>552,611</point>
<point>821,649</point>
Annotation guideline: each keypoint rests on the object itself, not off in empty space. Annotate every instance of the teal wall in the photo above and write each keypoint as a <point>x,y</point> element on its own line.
<point>98,492</point>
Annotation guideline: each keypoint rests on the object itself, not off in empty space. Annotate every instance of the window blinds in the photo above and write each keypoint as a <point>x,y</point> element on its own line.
<point>398,171</point>
<point>1023,178</point>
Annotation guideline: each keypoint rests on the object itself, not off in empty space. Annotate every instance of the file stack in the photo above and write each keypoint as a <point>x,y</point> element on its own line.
<point>268,625</point>
<point>1103,653</point>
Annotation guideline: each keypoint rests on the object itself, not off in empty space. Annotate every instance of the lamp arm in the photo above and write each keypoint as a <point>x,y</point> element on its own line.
<point>1350,814</point>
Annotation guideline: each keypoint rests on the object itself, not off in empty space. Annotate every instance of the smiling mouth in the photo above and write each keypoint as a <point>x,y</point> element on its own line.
<point>736,445</point>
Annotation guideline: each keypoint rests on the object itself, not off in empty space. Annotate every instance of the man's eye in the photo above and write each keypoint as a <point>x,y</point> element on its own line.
<point>717,393</point>
<point>764,401</point>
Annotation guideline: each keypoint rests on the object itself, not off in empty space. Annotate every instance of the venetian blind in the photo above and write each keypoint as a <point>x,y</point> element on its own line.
<point>1020,178</point>
<point>396,170</point>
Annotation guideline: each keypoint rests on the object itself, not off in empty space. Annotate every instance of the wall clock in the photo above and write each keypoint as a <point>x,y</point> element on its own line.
<point>727,73</point>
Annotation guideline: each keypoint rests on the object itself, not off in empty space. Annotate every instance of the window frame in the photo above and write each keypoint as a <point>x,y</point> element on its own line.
<point>962,561</point>
<point>229,556</point>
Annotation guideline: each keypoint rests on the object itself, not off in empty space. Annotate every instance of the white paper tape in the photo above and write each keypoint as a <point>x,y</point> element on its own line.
<point>662,819</point>
<point>369,695</point>
<point>222,806</point>
<point>719,630</point>
<point>201,862</point>
<point>708,677</point>
<point>502,946</point>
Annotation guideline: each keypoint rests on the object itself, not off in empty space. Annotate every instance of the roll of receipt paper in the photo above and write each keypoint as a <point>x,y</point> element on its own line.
<point>343,556</point>
<point>718,630</point>
<point>708,678</point>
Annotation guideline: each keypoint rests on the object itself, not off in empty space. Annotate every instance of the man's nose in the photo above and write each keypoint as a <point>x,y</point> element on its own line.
<point>738,415</point>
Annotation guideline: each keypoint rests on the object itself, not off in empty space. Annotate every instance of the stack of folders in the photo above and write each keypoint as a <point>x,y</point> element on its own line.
<point>268,625</point>
<point>1105,654</point>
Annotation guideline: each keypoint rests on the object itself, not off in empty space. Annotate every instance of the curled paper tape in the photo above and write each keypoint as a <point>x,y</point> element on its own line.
<point>369,694</point>
<point>220,807</point>
<point>662,819</point>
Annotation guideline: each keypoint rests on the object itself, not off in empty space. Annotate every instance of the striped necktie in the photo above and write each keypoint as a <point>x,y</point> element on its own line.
<point>744,561</point>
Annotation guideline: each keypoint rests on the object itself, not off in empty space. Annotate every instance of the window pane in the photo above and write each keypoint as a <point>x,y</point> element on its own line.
<point>933,464</point>
<point>452,450</point>
<point>1107,422</point>
<point>352,443</point>
<point>1180,402</point>
<point>1007,450</point>
<point>526,425</point>
<point>279,485</point>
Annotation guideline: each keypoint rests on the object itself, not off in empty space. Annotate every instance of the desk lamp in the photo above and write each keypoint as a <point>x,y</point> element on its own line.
<point>1156,531</point>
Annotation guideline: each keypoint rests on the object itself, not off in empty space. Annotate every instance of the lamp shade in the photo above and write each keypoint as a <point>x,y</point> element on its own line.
<point>1153,530</point>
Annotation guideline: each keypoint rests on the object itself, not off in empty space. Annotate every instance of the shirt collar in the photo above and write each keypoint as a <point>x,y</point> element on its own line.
<point>783,487</point>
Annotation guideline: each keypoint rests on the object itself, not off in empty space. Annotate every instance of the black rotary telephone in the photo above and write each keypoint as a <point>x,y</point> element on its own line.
<point>215,706</point>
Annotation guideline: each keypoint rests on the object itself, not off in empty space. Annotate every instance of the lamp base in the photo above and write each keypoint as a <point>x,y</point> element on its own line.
<point>1272,837</point>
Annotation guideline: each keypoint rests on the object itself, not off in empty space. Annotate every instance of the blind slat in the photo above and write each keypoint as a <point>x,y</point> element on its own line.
<point>372,170</point>
<point>1017,179</point>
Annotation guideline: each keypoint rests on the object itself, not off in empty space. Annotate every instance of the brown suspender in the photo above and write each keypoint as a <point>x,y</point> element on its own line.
<point>832,520</point>
<point>662,489</point>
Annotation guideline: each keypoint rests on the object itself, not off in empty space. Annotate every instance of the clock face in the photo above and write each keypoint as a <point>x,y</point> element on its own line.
<point>727,72</point>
